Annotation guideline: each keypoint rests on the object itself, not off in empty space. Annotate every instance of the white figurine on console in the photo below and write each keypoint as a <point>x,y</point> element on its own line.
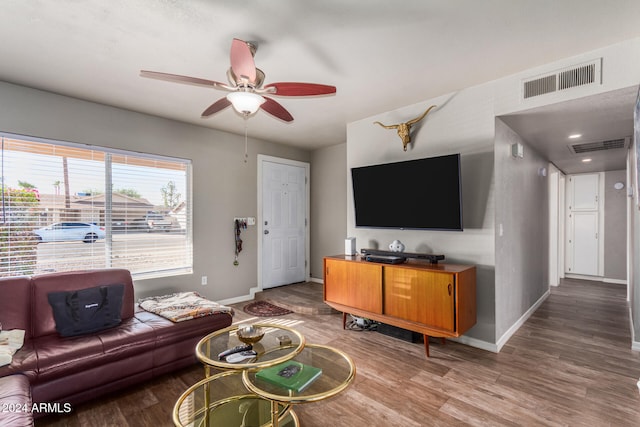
<point>396,246</point>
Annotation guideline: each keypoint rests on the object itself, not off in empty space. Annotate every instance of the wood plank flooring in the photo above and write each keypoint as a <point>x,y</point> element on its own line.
<point>570,364</point>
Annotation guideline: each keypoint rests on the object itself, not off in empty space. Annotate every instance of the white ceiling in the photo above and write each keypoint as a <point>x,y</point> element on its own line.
<point>597,118</point>
<point>380,54</point>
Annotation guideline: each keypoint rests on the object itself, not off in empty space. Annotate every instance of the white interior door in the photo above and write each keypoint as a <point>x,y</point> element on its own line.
<point>284,218</point>
<point>584,245</point>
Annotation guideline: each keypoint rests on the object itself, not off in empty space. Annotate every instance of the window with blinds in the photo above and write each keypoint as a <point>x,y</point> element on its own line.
<point>71,207</point>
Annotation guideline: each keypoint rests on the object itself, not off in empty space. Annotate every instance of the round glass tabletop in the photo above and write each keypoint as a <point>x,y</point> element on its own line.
<point>317,372</point>
<point>278,344</point>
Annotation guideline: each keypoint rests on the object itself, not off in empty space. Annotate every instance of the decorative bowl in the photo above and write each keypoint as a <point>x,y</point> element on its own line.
<point>250,334</point>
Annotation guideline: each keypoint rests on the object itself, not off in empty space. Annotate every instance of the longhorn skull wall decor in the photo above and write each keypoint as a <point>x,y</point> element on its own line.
<point>404,129</point>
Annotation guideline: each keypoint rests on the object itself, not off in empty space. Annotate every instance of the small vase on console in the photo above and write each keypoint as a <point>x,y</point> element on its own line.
<point>396,246</point>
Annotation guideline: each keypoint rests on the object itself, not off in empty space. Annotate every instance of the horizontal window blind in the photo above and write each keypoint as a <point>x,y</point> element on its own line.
<point>71,207</point>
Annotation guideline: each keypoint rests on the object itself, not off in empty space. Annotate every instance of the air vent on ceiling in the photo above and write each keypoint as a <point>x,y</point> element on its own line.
<point>579,75</point>
<point>589,147</point>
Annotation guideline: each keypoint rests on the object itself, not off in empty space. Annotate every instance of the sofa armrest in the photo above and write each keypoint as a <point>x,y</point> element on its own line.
<point>15,401</point>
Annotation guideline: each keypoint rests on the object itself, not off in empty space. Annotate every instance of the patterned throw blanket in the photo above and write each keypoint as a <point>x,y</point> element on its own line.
<point>182,306</point>
<point>10,342</point>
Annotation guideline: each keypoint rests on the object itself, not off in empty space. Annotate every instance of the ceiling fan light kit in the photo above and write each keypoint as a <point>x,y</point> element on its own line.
<point>245,86</point>
<point>246,103</point>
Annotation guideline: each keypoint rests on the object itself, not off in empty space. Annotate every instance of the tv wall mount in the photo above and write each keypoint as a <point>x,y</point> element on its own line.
<point>375,255</point>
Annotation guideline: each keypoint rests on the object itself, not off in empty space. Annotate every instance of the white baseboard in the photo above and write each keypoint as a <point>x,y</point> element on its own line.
<point>235,300</point>
<point>596,279</point>
<point>512,330</point>
<point>254,291</point>
<point>474,342</point>
<point>584,277</point>
<point>242,298</point>
<point>635,345</point>
<point>616,281</point>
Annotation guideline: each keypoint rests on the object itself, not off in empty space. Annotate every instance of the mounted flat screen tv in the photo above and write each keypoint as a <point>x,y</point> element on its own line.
<point>414,194</point>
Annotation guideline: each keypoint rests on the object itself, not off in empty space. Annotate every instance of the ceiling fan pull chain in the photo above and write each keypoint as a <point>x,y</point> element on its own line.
<point>246,116</point>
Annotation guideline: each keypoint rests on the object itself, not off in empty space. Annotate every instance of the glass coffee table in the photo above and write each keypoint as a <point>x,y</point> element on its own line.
<point>337,371</point>
<point>238,396</point>
<point>278,344</point>
<point>223,400</point>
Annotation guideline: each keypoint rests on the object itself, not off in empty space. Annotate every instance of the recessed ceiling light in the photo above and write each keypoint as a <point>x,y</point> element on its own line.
<point>587,160</point>
<point>575,135</point>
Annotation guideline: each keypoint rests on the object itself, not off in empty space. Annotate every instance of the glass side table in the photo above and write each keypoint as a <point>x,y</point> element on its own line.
<point>271,349</point>
<point>338,371</point>
<point>223,400</point>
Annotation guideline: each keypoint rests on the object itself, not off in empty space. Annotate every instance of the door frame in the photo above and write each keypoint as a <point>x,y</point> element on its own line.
<point>262,158</point>
<point>600,210</point>
<point>556,204</point>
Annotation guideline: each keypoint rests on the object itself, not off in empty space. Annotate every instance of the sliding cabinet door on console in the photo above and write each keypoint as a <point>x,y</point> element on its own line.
<point>353,284</point>
<point>420,296</point>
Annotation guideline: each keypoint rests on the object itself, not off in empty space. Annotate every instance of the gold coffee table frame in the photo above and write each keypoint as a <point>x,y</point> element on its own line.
<point>199,403</point>
<point>195,407</point>
<point>209,347</point>
<point>338,371</point>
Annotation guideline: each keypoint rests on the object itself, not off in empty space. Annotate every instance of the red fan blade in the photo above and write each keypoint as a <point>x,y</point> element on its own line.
<point>219,105</point>
<point>242,62</point>
<point>276,110</point>
<point>301,89</point>
<point>179,79</point>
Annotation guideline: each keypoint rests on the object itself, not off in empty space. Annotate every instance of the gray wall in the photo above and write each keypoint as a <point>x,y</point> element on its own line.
<point>328,205</point>
<point>633,164</point>
<point>462,123</point>
<point>224,186</point>
<point>615,227</point>
<point>522,229</point>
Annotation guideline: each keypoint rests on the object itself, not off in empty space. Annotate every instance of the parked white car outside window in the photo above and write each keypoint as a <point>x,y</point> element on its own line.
<point>70,231</point>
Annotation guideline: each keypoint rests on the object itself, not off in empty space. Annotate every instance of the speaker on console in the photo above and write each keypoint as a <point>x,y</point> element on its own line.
<point>350,246</point>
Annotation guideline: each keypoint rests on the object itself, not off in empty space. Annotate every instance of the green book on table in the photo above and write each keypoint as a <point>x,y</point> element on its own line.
<point>291,375</point>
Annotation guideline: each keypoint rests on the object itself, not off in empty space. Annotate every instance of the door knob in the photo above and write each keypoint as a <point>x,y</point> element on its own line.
<point>266,231</point>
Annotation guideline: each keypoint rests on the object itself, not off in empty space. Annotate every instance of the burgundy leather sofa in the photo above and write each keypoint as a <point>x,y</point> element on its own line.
<point>63,372</point>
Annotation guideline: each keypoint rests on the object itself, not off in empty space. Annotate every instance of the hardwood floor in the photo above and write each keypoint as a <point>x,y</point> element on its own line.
<point>570,364</point>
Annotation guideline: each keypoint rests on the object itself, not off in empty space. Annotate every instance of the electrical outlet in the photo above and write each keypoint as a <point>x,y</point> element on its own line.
<point>204,280</point>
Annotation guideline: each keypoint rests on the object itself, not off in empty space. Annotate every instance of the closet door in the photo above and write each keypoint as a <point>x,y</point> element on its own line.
<point>585,191</point>
<point>585,243</point>
<point>583,225</point>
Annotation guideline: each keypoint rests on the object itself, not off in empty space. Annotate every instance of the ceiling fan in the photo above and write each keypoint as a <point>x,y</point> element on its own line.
<point>247,94</point>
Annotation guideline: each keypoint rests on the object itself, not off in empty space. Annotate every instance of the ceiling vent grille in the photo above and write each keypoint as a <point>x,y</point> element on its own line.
<point>540,86</point>
<point>589,147</point>
<point>580,75</point>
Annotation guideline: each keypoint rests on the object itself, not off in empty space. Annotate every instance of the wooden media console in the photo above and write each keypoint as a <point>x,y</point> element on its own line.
<point>437,300</point>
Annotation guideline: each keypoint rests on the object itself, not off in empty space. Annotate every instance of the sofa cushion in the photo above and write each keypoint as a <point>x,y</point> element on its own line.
<point>62,356</point>
<point>43,321</point>
<point>59,356</point>
<point>88,310</point>
<point>23,361</point>
<point>168,333</point>
<point>15,304</point>
<point>131,336</point>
